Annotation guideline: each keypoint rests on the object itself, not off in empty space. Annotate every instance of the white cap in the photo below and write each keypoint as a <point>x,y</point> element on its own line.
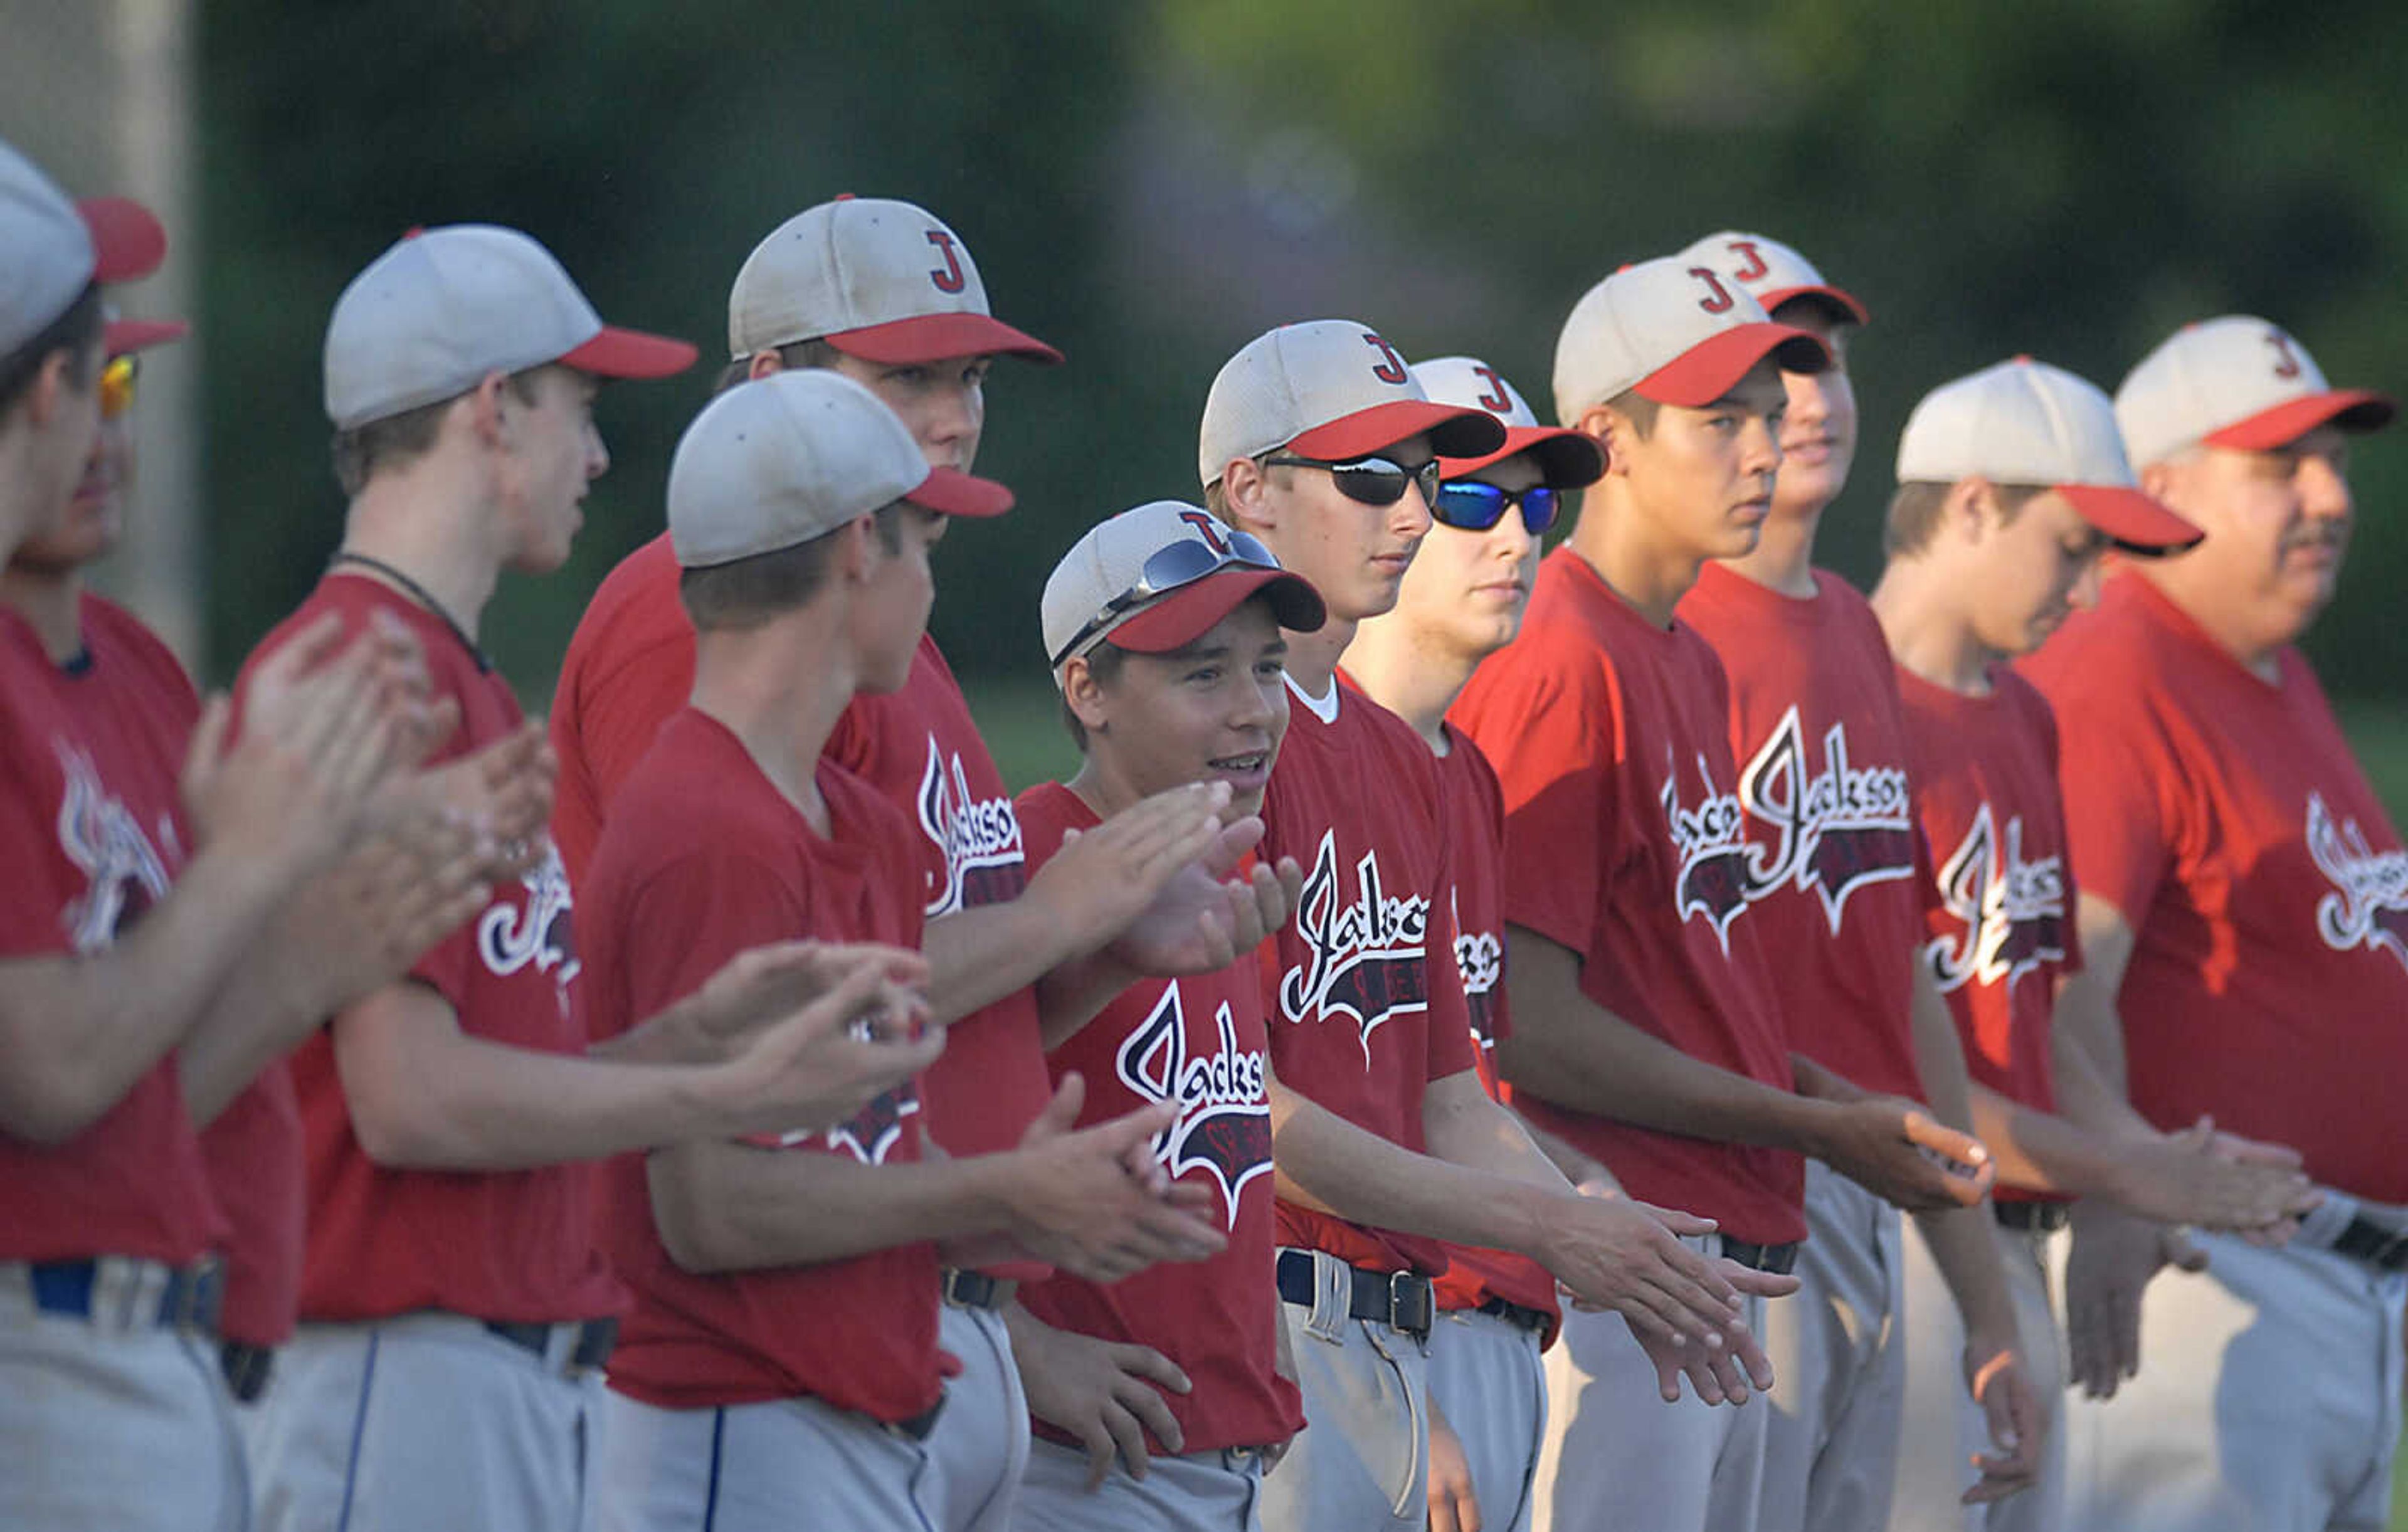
<point>1673,329</point>
<point>1566,459</point>
<point>1773,272</point>
<point>52,249</point>
<point>432,316</point>
<point>2235,381</point>
<point>793,456</point>
<point>2025,422</point>
<point>1329,389</point>
<point>1206,570</point>
<point>876,279</point>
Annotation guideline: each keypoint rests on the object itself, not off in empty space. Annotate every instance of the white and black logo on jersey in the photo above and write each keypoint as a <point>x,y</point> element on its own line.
<point>2012,910</point>
<point>124,870</point>
<point>1709,843</point>
<point>536,929</point>
<point>869,1134</point>
<point>1365,958</point>
<point>1835,831</point>
<point>2369,904</point>
<point>978,837</point>
<point>1224,1125</point>
<point>1480,958</point>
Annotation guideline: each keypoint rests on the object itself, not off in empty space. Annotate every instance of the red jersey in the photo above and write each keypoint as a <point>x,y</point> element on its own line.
<point>1999,904</point>
<point>1623,827</point>
<point>1200,1041</point>
<point>515,1245</point>
<point>631,665</point>
<point>682,882</point>
<point>1476,816</point>
<point>2266,887</point>
<point>253,1153</point>
<point>1833,867</point>
<point>1366,1008</point>
<point>93,834</point>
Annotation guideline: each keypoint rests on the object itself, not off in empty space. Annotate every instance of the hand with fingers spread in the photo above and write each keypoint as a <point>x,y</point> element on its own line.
<point>1454,1501</point>
<point>1899,1152</point>
<point>2014,1413</point>
<point>1103,877</point>
<point>760,988</point>
<point>361,925</point>
<point>1075,1203</point>
<point>2183,1178</point>
<point>506,787</point>
<point>1209,912</point>
<point>2112,1259</point>
<point>1724,1374</point>
<point>809,1066</point>
<point>1108,1395</point>
<point>1613,1252</point>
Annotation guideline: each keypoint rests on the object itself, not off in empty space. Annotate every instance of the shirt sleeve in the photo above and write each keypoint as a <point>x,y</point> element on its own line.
<point>1548,731</point>
<point>1451,1050</point>
<point>2118,830</point>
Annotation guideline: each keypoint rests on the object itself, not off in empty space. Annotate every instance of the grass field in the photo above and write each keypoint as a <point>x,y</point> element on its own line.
<point>1023,728</point>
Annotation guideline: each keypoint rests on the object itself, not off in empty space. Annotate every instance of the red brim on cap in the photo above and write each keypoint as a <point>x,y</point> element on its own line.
<point>938,338</point>
<point>631,353</point>
<point>956,493</point>
<point>1567,460</point>
<point>126,241</point>
<point>2351,408</point>
<point>1452,431</point>
<point>1189,612</point>
<point>1841,303</point>
<point>124,337</point>
<point>2132,519</point>
<point>1712,367</point>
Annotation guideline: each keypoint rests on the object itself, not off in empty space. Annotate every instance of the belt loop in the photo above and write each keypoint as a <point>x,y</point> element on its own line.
<point>1333,1296</point>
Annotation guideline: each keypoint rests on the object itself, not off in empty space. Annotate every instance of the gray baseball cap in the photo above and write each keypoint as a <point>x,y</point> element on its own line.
<point>1674,330</point>
<point>1328,389</point>
<point>52,249</point>
<point>2235,381</point>
<point>431,317</point>
<point>1156,578</point>
<point>793,456</point>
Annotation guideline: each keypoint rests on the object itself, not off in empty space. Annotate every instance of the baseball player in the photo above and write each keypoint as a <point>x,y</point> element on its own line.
<point>1646,1033</point>
<point>454,1303</point>
<point>162,938</point>
<point>1461,601</point>
<point>2012,484</point>
<point>772,1359</point>
<point>1832,883</point>
<point>883,293</point>
<point>1167,644</point>
<point>2241,899</point>
<point>1316,442</point>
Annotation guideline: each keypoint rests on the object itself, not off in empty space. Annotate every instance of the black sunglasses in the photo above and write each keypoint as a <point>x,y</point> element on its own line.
<point>1472,506</point>
<point>1183,562</point>
<point>1369,481</point>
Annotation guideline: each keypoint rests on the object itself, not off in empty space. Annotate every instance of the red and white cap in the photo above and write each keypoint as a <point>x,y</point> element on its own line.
<point>876,278</point>
<point>1329,389</point>
<point>1566,459</point>
<point>1087,597</point>
<point>2235,381</point>
<point>431,317</point>
<point>793,456</point>
<point>1773,272</point>
<point>1674,329</point>
<point>124,337</point>
<point>2025,422</point>
<point>52,249</point>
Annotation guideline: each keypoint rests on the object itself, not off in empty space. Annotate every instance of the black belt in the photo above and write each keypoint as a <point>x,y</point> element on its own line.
<point>972,1289</point>
<point>595,1339</point>
<point>2033,1217</point>
<point>1521,1318</point>
<point>1399,1299</point>
<point>189,1301</point>
<point>246,1368</point>
<point>1777,1259</point>
<point>2373,1243</point>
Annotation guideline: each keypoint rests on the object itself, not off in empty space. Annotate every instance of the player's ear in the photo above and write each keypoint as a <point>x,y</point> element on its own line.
<point>2157,479</point>
<point>1606,424</point>
<point>484,407</point>
<point>857,552</point>
<point>763,362</point>
<point>1246,497</point>
<point>1084,695</point>
<point>1972,508</point>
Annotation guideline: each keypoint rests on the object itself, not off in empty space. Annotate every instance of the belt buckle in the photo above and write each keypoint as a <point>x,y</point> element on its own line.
<point>595,1339</point>
<point>966,1289</point>
<point>192,1295</point>
<point>2392,1254</point>
<point>1404,1313</point>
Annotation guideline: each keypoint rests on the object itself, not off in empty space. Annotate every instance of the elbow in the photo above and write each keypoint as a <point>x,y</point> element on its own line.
<point>47,1114</point>
<point>399,1131</point>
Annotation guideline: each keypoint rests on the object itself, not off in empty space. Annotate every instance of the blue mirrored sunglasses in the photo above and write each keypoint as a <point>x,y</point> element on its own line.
<point>1474,507</point>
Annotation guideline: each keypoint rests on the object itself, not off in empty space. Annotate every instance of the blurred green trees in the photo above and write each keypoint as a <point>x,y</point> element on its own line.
<point>1148,187</point>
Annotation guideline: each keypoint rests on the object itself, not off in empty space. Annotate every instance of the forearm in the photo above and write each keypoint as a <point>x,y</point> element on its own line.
<point>78,1032</point>
<point>1966,1253</point>
<point>2086,1014</point>
<point>2039,1151</point>
<point>424,1095</point>
<point>1075,992</point>
<point>1940,1056</point>
<point>1576,1165</point>
<point>725,1206</point>
<point>2086,1092</point>
<point>976,956</point>
<point>1327,1162</point>
<point>1461,1125</point>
